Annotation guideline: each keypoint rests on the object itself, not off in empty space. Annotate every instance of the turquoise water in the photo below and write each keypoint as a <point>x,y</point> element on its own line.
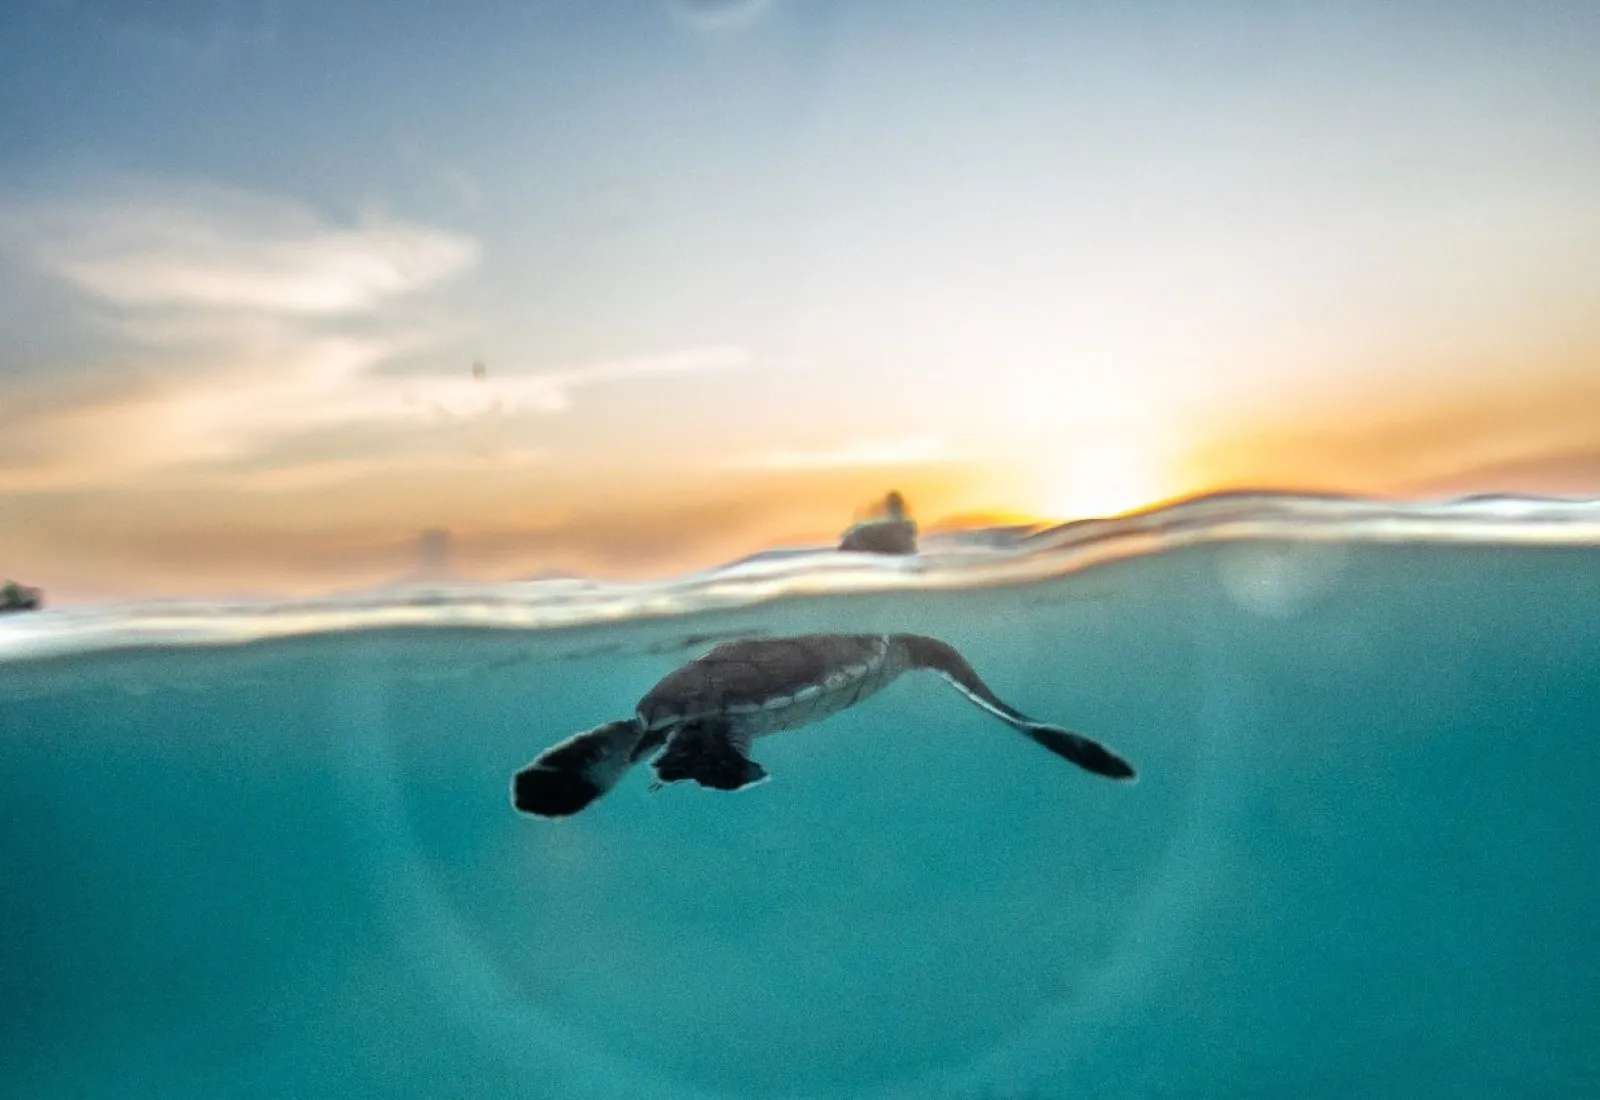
<point>1360,861</point>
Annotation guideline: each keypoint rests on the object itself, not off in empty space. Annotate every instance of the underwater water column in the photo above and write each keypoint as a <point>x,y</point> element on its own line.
<point>1359,860</point>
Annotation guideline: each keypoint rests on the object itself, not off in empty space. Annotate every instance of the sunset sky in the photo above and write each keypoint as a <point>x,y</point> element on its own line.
<point>736,268</point>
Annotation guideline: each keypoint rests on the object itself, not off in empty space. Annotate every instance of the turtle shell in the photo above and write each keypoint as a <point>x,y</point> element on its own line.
<point>764,685</point>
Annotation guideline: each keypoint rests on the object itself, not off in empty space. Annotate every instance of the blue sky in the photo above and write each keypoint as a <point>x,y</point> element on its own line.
<point>743,263</point>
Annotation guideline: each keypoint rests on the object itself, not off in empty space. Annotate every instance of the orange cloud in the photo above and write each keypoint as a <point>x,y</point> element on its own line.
<point>247,328</point>
<point>645,520</point>
<point>1538,433</point>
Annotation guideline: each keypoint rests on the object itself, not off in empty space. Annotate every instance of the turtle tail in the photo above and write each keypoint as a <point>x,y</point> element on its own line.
<point>1090,755</point>
<point>567,777</point>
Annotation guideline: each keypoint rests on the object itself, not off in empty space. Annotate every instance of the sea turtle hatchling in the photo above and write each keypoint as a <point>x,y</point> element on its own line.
<point>703,716</point>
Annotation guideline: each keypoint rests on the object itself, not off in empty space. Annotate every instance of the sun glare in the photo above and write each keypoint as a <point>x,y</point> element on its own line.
<point>1105,480</point>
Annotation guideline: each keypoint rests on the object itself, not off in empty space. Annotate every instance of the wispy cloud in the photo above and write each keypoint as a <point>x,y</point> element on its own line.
<point>861,453</point>
<point>244,324</point>
<point>84,437</point>
<point>209,249</point>
<point>357,394</point>
<point>515,394</point>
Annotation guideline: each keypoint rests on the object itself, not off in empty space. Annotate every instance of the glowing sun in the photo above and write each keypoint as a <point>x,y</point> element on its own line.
<point>1106,478</point>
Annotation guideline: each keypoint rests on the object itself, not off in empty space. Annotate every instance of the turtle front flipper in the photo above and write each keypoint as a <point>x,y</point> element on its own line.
<point>706,752</point>
<point>565,778</point>
<point>1090,755</point>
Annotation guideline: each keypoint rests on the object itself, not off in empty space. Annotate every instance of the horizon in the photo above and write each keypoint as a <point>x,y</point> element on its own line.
<point>429,559</point>
<point>631,289</point>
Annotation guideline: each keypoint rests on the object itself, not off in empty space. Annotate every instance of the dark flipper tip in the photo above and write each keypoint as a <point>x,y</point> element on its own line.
<point>1117,768</point>
<point>551,792</point>
<point>1089,755</point>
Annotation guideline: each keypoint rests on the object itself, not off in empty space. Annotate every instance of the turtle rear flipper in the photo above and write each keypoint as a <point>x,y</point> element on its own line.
<point>565,778</point>
<point>705,752</point>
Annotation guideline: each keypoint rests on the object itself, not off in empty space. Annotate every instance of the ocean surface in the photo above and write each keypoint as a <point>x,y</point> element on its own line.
<point>267,850</point>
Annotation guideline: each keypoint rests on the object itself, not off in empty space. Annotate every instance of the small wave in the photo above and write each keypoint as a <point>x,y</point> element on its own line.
<point>951,560</point>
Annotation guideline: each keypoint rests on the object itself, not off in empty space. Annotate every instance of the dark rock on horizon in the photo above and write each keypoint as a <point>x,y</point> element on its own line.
<point>19,597</point>
<point>892,533</point>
